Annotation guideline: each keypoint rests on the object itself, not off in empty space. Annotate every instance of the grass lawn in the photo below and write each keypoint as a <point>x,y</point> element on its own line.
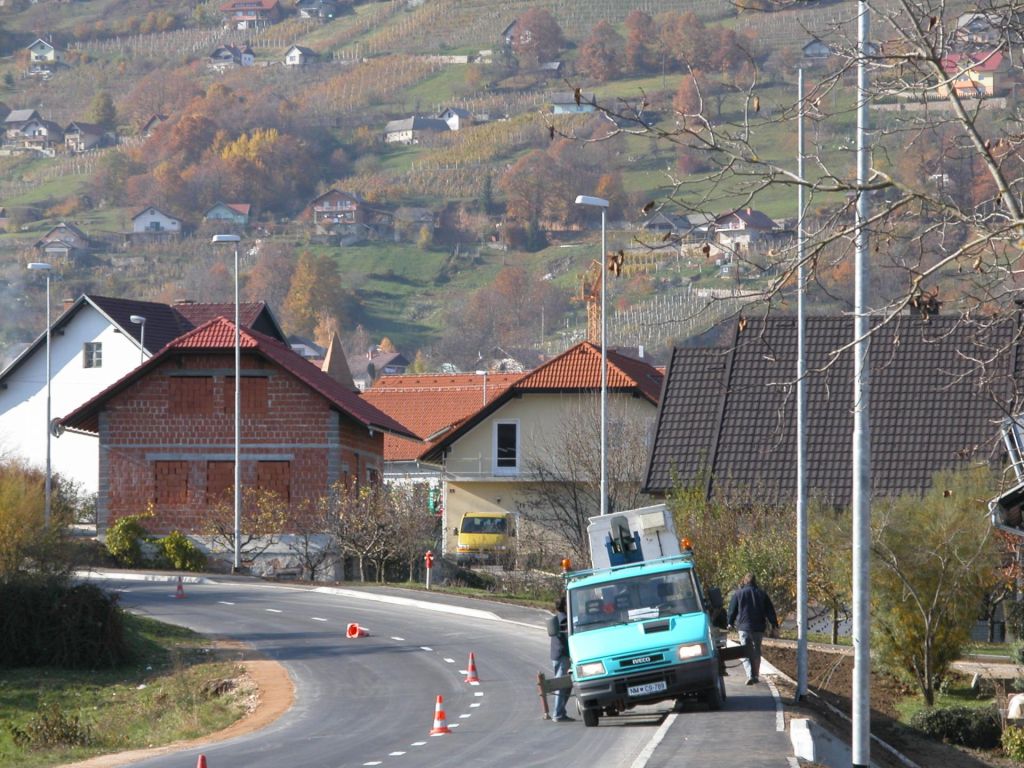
<point>157,699</point>
<point>953,696</point>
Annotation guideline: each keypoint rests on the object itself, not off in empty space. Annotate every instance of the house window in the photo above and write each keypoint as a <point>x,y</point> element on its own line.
<point>220,479</point>
<point>275,476</point>
<point>190,395</point>
<point>254,395</point>
<point>170,482</point>
<point>506,448</point>
<point>92,354</point>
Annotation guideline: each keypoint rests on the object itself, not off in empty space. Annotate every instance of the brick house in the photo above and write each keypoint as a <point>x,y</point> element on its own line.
<point>337,212</point>
<point>166,430</point>
<point>250,14</point>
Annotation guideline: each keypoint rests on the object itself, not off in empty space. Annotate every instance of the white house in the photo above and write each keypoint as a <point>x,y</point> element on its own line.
<point>43,52</point>
<point>299,56</point>
<point>456,117</point>
<point>150,221</point>
<point>94,343</point>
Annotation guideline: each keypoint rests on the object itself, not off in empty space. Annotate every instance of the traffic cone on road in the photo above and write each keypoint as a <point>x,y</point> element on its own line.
<point>180,594</point>
<point>354,630</point>
<point>201,762</point>
<point>471,670</point>
<point>440,724</point>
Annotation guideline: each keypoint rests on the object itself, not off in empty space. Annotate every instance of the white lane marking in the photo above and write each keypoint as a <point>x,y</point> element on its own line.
<point>373,762</point>
<point>780,718</point>
<point>475,704</point>
<point>395,754</point>
<point>417,744</point>
<point>272,610</point>
<point>450,661</point>
<point>475,682</point>
<point>454,725</point>
<point>478,693</point>
<point>225,602</point>
<point>425,648</point>
<point>646,752</point>
<point>317,618</point>
<point>399,639</point>
<point>463,717</point>
<point>793,762</point>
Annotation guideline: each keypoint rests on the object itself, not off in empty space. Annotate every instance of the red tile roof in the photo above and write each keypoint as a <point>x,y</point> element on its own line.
<point>431,404</point>
<point>578,369</point>
<point>219,335</point>
<point>980,61</point>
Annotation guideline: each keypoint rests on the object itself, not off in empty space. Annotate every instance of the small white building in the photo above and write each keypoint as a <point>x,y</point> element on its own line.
<point>152,221</point>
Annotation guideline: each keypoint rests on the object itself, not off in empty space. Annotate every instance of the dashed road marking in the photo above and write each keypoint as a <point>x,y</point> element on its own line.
<point>426,648</point>
<point>317,618</point>
<point>272,610</point>
<point>417,744</point>
<point>478,693</point>
<point>475,704</point>
<point>373,762</point>
<point>225,602</point>
<point>450,661</point>
<point>463,717</point>
<point>395,754</point>
<point>399,639</point>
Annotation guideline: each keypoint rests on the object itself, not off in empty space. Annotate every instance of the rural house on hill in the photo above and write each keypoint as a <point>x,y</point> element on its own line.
<point>727,414</point>
<point>172,422</point>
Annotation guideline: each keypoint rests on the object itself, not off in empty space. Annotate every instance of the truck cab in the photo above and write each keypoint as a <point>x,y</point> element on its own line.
<point>640,632</point>
<point>484,538</point>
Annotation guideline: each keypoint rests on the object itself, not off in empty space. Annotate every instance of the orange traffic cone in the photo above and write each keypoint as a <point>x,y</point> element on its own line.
<point>202,762</point>
<point>181,591</point>
<point>354,630</point>
<point>471,671</point>
<point>440,725</point>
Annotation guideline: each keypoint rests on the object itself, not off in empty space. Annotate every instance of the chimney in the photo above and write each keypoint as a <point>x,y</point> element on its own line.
<point>67,303</point>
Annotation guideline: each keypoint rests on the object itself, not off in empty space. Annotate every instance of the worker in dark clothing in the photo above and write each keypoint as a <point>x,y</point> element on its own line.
<point>751,612</point>
<point>560,662</point>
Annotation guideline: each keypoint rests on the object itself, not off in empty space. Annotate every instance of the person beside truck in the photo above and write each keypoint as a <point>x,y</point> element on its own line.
<point>751,612</point>
<point>560,661</point>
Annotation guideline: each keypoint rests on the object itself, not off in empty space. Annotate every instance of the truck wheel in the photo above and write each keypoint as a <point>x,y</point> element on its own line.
<point>715,696</point>
<point>590,717</point>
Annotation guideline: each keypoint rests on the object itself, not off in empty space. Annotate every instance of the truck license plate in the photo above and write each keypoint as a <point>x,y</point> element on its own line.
<point>647,688</point>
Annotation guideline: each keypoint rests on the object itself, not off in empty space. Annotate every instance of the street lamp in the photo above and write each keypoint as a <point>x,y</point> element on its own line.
<point>42,266</point>
<point>141,321</point>
<point>600,202</point>
<point>235,239</point>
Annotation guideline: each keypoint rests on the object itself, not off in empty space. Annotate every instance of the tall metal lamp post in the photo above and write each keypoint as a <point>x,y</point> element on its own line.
<point>237,565</point>
<point>42,266</point>
<point>140,321</point>
<point>600,202</point>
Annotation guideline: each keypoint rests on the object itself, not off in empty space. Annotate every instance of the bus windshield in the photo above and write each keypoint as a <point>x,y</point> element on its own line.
<point>640,598</point>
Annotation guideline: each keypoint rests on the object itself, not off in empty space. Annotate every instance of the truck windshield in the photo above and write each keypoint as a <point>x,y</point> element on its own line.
<point>483,525</point>
<point>640,598</point>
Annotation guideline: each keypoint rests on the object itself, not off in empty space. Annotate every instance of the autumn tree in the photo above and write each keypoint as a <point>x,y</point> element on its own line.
<point>641,39</point>
<point>538,37</point>
<point>315,289</point>
<point>264,517</point>
<point>102,111</point>
<point>601,53</point>
<point>270,276</point>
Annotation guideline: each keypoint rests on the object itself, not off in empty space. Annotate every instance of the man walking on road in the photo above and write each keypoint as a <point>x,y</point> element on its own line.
<point>751,612</point>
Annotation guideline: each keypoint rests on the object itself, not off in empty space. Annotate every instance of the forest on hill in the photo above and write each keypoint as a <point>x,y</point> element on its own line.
<point>471,211</point>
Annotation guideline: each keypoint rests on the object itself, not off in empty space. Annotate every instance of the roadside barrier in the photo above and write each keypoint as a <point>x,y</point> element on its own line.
<point>354,630</point>
<point>471,670</point>
<point>440,724</point>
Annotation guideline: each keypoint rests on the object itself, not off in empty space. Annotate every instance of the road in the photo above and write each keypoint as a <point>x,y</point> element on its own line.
<point>371,701</point>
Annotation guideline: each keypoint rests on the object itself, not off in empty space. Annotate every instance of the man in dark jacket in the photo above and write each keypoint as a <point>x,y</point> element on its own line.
<point>751,612</point>
<point>560,662</point>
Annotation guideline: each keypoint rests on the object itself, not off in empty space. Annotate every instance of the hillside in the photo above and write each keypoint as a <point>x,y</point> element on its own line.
<point>498,192</point>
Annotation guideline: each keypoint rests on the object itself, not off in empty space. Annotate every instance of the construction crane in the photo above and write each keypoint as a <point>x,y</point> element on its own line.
<point>590,291</point>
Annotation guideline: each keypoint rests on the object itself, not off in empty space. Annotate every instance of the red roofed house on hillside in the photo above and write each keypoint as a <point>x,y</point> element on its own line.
<point>976,74</point>
<point>536,446</point>
<point>166,430</point>
<point>250,14</point>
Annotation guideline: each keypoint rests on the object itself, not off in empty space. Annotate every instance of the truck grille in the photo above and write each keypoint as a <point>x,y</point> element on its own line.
<point>639,661</point>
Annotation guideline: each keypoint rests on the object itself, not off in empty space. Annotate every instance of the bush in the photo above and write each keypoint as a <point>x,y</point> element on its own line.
<point>50,727</point>
<point>1013,743</point>
<point>181,553</point>
<point>47,621</point>
<point>124,541</point>
<point>976,727</point>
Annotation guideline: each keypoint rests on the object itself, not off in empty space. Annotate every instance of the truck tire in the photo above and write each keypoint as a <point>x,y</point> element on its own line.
<point>715,697</point>
<point>590,717</point>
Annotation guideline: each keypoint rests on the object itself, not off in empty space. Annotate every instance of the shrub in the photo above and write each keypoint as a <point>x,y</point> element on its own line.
<point>51,727</point>
<point>181,553</point>
<point>47,621</point>
<point>1017,652</point>
<point>1013,743</point>
<point>124,541</point>
<point>976,727</point>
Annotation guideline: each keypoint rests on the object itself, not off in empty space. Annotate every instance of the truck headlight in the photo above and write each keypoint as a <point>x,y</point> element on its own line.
<point>590,669</point>
<point>462,547</point>
<point>691,651</point>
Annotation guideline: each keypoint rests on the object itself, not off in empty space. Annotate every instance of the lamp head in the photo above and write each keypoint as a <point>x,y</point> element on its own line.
<point>138,319</point>
<point>596,202</point>
<point>39,266</point>
<point>217,239</point>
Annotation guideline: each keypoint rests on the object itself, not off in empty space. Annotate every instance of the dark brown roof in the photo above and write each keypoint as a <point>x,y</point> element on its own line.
<point>217,336</point>
<point>938,391</point>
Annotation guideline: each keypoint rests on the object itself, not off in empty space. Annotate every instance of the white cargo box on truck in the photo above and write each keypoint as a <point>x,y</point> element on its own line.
<point>632,536</point>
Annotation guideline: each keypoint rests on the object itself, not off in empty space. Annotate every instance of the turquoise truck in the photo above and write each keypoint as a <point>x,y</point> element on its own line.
<point>640,627</point>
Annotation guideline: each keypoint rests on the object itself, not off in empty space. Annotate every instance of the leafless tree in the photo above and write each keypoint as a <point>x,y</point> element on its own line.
<point>264,516</point>
<point>565,466</point>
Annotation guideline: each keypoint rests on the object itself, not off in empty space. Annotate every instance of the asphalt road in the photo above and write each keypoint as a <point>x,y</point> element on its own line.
<point>371,701</point>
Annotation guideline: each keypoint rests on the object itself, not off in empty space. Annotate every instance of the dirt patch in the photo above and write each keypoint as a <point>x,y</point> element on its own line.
<point>272,695</point>
<point>830,676</point>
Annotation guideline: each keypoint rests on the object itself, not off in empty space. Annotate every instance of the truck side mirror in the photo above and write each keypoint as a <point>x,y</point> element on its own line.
<point>715,598</point>
<point>553,626</point>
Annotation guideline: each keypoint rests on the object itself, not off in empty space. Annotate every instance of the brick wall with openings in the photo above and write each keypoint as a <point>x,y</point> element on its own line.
<point>169,441</point>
